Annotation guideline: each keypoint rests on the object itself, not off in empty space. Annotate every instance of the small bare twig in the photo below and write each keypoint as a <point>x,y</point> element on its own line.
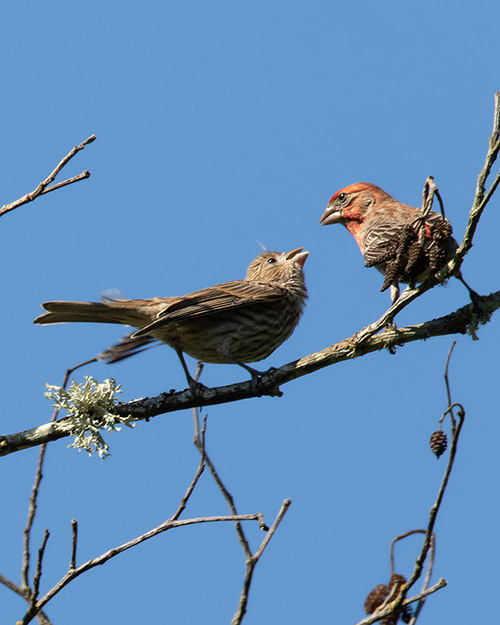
<point>398,538</point>
<point>19,590</point>
<point>429,192</point>
<point>197,437</point>
<point>38,572</point>
<point>43,187</point>
<point>74,543</point>
<point>482,197</point>
<point>448,392</point>
<point>200,445</point>
<point>252,563</point>
<point>427,580</point>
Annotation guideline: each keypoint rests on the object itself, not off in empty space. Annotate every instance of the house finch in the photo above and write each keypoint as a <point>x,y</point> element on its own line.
<point>235,322</point>
<point>392,236</point>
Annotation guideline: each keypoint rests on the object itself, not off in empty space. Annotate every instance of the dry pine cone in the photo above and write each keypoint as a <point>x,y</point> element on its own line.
<point>380,593</point>
<point>438,443</point>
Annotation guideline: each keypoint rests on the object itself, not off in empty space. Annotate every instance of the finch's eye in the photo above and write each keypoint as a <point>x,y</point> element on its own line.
<point>342,196</point>
<point>271,260</point>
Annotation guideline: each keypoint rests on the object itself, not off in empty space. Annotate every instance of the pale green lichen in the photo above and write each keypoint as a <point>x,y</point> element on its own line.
<point>90,408</point>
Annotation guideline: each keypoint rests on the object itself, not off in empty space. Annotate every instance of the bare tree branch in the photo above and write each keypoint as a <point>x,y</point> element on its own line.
<point>74,571</point>
<point>365,342</point>
<point>102,559</point>
<point>43,187</point>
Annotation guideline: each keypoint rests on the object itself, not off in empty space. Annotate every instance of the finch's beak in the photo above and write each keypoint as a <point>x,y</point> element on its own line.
<point>298,256</point>
<point>331,216</point>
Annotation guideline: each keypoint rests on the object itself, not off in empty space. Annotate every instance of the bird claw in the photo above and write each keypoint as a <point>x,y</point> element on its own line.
<point>391,327</point>
<point>196,388</point>
<point>257,381</point>
<point>476,300</point>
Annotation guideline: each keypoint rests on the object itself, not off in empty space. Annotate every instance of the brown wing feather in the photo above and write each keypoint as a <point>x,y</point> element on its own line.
<point>213,300</point>
<point>379,237</point>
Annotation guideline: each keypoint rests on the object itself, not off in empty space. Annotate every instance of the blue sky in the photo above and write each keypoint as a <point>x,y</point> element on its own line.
<point>221,125</point>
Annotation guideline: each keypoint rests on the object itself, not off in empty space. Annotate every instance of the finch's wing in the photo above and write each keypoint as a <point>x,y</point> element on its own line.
<point>384,236</point>
<point>379,240</point>
<point>215,299</point>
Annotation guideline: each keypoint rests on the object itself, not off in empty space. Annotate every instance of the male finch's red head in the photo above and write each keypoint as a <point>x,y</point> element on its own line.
<point>359,205</point>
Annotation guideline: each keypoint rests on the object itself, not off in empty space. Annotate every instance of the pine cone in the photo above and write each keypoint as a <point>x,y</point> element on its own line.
<point>438,443</point>
<point>376,598</point>
<point>379,594</point>
<point>396,580</point>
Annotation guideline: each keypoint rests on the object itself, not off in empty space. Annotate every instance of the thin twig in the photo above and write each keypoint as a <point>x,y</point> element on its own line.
<point>74,543</point>
<point>395,540</point>
<point>199,369</point>
<point>85,174</point>
<point>200,445</point>
<point>270,533</point>
<point>32,511</point>
<point>19,590</point>
<point>447,383</point>
<point>427,580</point>
<point>43,187</point>
<point>482,197</point>
<point>429,192</point>
<point>38,572</point>
<point>252,563</point>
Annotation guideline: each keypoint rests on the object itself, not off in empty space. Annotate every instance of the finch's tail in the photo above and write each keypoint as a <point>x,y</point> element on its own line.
<point>94,312</point>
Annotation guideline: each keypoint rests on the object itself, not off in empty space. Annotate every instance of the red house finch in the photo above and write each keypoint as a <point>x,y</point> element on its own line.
<point>390,234</point>
<point>235,322</point>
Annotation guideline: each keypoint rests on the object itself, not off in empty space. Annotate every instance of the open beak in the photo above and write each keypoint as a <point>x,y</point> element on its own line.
<point>298,256</point>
